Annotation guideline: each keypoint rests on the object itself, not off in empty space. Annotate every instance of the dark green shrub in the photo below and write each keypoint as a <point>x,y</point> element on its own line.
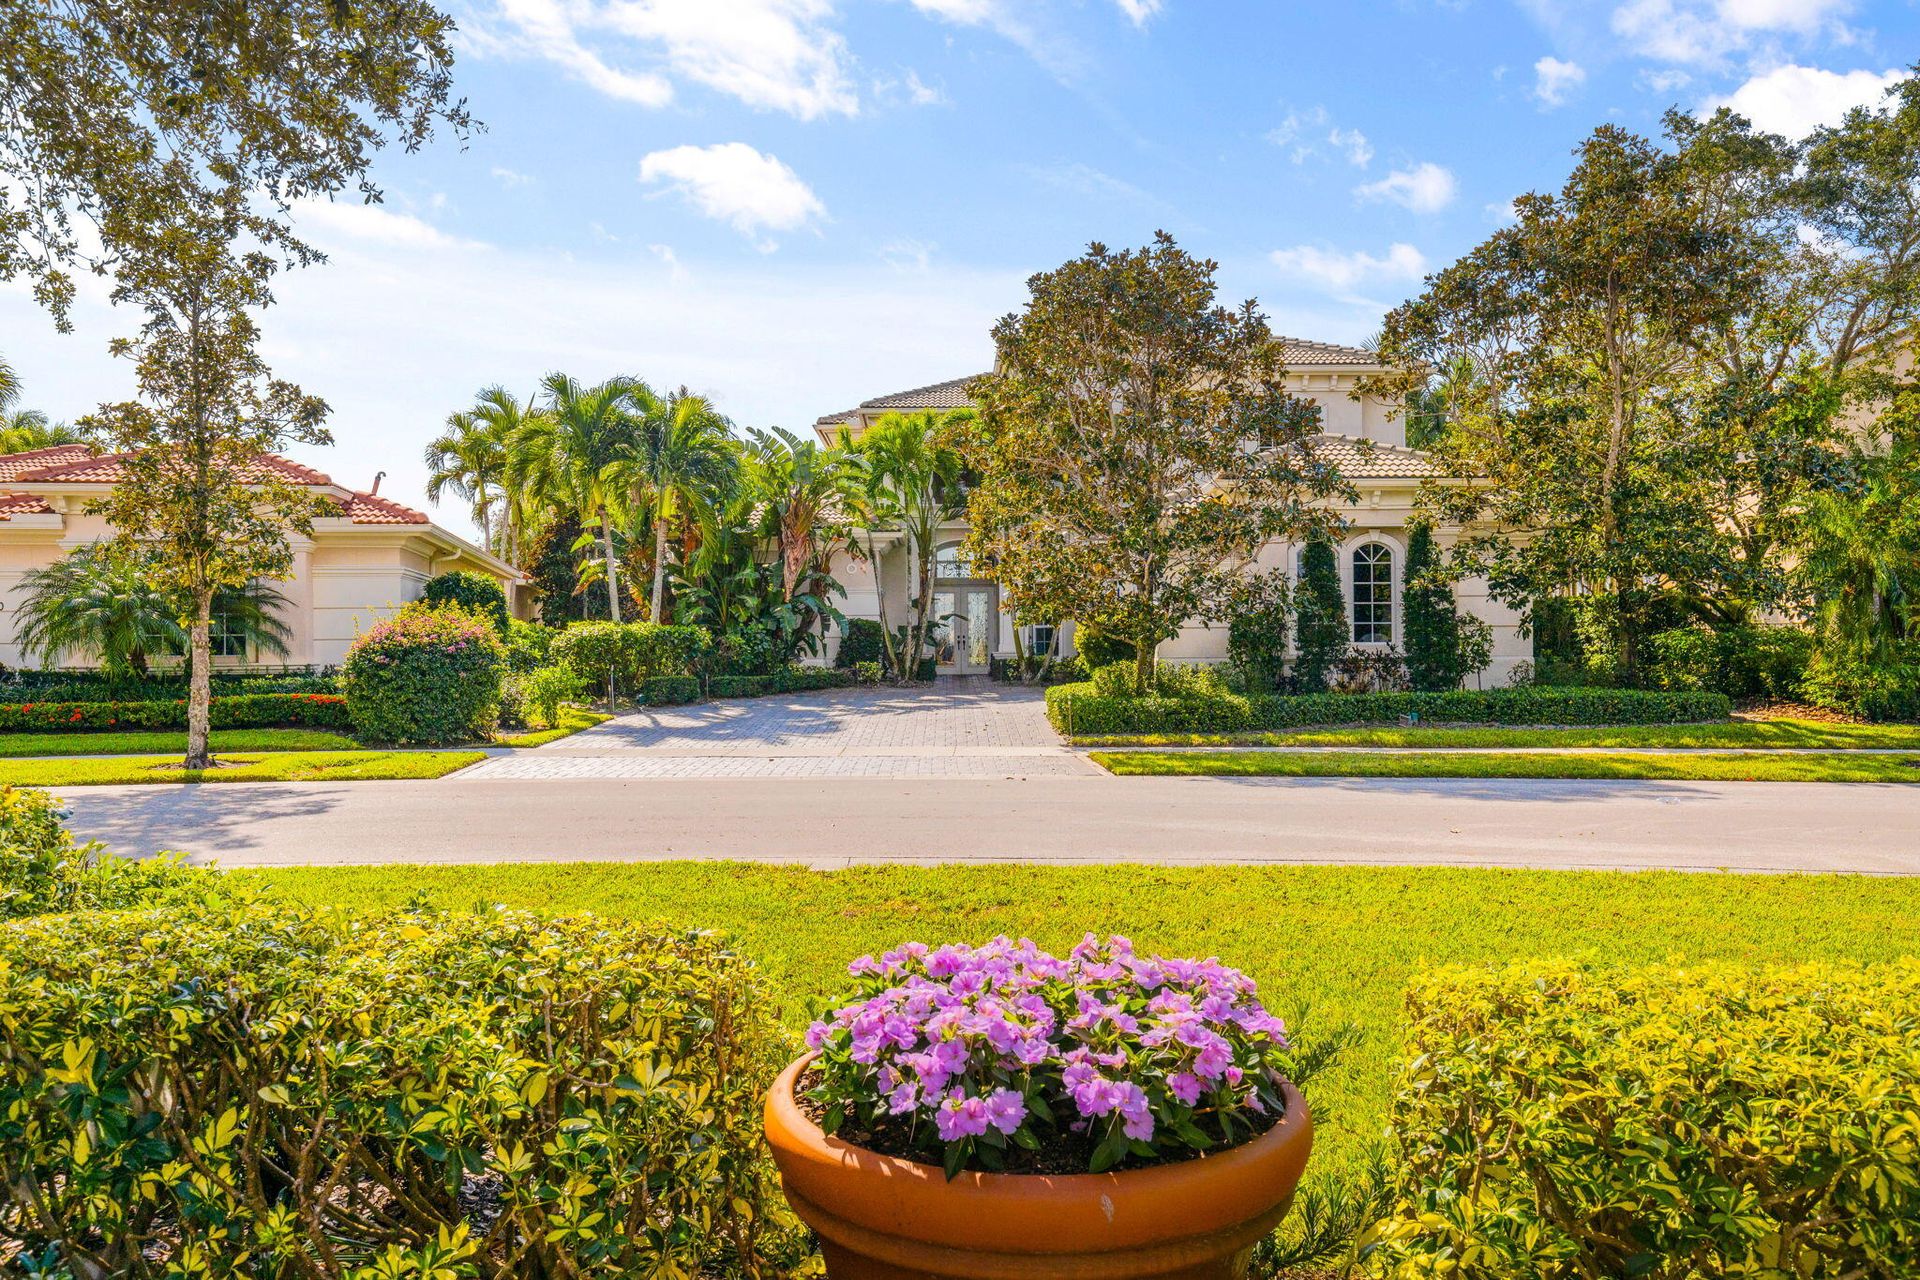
<point>1671,1123</point>
<point>1099,648</point>
<point>1431,627</point>
<point>475,592</point>
<point>240,711</point>
<point>864,641</point>
<point>668,691</point>
<point>425,675</point>
<point>1743,662</point>
<point>43,870</point>
<point>738,686</point>
<point>1079,706</point>
<point>95,686</point>
<point>1320,617</point>
<point>744,651</point>
<point>282,1090</point>
<point>628,653</point>
<point>1853,686</point>
<point>1257,629</point>
<point>799,679</point>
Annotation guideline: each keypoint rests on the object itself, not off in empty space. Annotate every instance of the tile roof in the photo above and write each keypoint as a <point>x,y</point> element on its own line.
<point>107,469</point>
<point>13,464</point>
<point>22,504</point>
<point>1298,351</point>
<point>368,508</point>
<point>1369,460</point>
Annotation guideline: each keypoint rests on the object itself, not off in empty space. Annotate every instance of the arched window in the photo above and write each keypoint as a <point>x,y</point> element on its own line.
<point>950,561</point>
<point>1372,594</point>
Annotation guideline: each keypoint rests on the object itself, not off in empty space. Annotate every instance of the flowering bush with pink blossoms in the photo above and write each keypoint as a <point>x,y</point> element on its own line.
<point>966,1053</point>
<point>425,674</point>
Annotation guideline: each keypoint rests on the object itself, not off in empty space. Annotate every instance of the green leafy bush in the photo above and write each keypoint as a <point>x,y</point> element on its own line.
<point>97,686</point>
<point>425,675</point>
<point>1744,662</point>
<point>241,711</point>
<point>864,641</point>
<point>629,652</point>
<point>43,870</point>
<point>1853,686</point>
<point>1099,648</point>
<point>1081,710</point>
<point>529,645</point>
<point>1669,1123</point>
<point>1257,628</point>
<point>475,592</point>
<point>668,691</point>
<point>277,1091</point>
<point>1114,680</point>
<point>1320,617</point>
<point>744,651</point>
<point>550,688</point>
<point>792,679</point>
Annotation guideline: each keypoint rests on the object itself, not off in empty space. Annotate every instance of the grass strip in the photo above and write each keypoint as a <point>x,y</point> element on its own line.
<point>164,741</point>
<point>1328,945</point>
<point>572,721</point>
<point>291,766</point>
<point>1416,764</point>
<point>1739,733</point>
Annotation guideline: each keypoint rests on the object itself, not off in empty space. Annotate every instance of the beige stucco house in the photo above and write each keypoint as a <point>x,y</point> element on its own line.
<point>360,564</point>
<point>1364,435</point>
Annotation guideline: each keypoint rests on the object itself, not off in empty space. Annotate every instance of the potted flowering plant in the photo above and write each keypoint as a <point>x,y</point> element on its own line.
<point>999,1113</point>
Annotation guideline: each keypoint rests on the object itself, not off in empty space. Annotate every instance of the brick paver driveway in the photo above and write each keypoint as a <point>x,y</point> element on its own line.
<point>953,728</point>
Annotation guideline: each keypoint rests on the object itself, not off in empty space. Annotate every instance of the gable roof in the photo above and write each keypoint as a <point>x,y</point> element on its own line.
<point>1371,460</point>
<point>68,464</point>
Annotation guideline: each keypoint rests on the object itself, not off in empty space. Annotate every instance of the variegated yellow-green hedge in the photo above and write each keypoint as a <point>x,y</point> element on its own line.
<point>276,1091</point>
<point>1711,1121</point>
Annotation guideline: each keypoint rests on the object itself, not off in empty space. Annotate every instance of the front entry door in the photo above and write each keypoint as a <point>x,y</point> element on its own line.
<point>963,637</point>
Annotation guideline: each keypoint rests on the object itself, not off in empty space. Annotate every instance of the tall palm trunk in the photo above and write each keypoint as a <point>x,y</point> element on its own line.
<point>606,544</point>
<point>200,686</point>
<point>659,563</point>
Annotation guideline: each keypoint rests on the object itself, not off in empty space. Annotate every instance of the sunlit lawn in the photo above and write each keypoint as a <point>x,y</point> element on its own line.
<point>290,766</point>
<point>1417,764</point>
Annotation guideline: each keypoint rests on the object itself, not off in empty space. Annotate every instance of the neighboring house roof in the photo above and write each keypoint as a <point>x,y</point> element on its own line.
<point>1370,460</point>
<point>12,465</point>
<point>108,468</point>
<point>368,508</point>
<point>22,504</point>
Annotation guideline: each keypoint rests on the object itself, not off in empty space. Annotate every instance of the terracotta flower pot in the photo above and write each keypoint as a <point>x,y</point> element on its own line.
<point>884,1217</point>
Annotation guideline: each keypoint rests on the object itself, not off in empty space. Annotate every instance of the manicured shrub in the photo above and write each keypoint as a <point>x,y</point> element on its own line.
<point>1114,680</point>
<point>1887,690</point>
<point>1436,658</point>
<point>425,675</point>
<point>475,592</point>
<point>667,691</point>
<point>792,679</point>
<point>1079,709</point>
<point>1320,617</point>
<point>1100,648</point>
<point>96,686</point>
<point>242,711</point>
<point>286,1091</point>
<point>529,645</point>
<point>43,870</point>
<point>1673,1122</point>
<point>864,641</point>
<point>628,653</point>
<point>1257,629</point>
<point>1743,662</point>
<point>744,651</point>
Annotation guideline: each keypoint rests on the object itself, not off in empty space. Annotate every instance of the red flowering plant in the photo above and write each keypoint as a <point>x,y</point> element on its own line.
<point>1006,1057</point>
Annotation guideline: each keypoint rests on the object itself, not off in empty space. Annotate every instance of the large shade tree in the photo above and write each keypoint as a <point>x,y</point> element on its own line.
<point>1136,445</point>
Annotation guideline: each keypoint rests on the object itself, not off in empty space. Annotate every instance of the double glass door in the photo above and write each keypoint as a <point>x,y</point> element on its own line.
<point>963,640</point>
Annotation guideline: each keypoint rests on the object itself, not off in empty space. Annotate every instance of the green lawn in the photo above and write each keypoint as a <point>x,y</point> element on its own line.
<point>1424,764</point>
<point>1738,733</point>
<point>572,720</point>
<point>165,741</point>
<point>291,766</point>
<point>1327,944</point>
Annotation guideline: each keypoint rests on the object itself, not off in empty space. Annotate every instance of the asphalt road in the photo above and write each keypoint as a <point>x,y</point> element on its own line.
<point>833,822</point>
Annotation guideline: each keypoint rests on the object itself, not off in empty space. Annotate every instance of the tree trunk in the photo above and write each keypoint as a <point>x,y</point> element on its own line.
<point>613,586</point>
<point>922,606</point>
<point>880,599</point>
<point>1142,663</point>
<point>200,682</point>
<point>659,565</point>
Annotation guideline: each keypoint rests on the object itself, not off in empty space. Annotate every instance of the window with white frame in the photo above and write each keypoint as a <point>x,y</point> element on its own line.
<point>1372,594</point>
<point>1040,640</point>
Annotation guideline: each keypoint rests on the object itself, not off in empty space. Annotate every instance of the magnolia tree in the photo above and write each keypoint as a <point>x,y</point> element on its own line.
<point>1136,446</point>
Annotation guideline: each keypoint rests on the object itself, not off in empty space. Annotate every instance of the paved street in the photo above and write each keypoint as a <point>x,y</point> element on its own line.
<point>972,773</point>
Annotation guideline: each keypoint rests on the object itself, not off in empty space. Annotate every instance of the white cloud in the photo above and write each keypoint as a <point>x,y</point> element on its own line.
<point>1342,273</point>
<point>1084,179</point>
<point>1023,22</point>
<point>1303,131</point>
<point>776,54</point>
<point>1425,188</point>
<point>1793,100</point>
<point>1663,81</point>
<point>511,177</point>
<point>1138,11</point>
<point>733,183</point>
<point>1706,31</point>
<point>370,224</point>
<point>1554,80</point>
<point>910,88</point>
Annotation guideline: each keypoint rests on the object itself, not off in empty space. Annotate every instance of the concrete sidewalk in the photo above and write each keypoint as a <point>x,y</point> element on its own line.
<point>1747,826</point>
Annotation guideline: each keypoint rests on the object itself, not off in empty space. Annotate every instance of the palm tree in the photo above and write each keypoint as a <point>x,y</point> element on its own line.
<point>804,488</point>
<point>574,453</point>
<point>22,430</point>
<point>912,481</point>
<point>95,602</point>
<point>1860,556</point>
<point>469,459</point>
<point>687,460</point>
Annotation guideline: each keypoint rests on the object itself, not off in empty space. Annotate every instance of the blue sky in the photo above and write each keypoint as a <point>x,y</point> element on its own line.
<point>795,204</point>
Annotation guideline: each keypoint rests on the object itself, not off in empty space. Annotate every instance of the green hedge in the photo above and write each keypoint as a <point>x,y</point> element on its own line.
<point>791,680</point>
<point>1077,709</point>
<point>631,652</point>
<point>242,711</point>
<point>97,686</point>
<point>1669,1123</point>
<point>43,870</point>
<point>668,691</point>
<point>273,1090</point>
